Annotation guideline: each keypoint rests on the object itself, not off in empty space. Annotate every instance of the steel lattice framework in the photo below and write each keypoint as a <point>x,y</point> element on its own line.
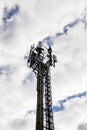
<point>40,59</point>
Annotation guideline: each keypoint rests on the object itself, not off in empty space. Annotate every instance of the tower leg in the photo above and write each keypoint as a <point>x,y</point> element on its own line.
<point>39,111</point>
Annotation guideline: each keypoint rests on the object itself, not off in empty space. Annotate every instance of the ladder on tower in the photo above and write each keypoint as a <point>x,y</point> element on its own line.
<point>48,111</point>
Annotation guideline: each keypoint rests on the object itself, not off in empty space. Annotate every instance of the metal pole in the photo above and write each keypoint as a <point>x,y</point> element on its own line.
<point>39,111</point>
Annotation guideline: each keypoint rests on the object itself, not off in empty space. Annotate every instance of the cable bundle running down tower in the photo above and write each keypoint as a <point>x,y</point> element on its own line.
<point>40,59</point>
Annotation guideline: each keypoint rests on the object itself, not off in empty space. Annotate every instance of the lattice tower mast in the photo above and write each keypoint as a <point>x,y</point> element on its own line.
<point>40,59</point>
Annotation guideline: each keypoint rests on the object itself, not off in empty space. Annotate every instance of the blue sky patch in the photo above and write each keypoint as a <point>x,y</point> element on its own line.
<point>25,57</point>
<point>8,14</point>
<point>48,40</point>
<point>4,70</point>
<point>28,78</point>
<point>59,34</point>
<point>60,106</point>
<point>70,25</point>
<point>30,111</point>
<point>66,28</point>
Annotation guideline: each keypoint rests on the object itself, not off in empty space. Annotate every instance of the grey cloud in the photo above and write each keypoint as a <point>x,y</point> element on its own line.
<point>18,123</point>
<point>82,127</point>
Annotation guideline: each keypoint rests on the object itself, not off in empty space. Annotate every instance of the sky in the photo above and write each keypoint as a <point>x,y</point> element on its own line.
<point>57,23</point>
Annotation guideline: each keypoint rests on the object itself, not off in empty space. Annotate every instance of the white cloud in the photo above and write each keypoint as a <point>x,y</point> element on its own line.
<point>71,67</point>
<point>72,116</point>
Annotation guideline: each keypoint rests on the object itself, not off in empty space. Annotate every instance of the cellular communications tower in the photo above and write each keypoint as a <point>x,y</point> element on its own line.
<point>40,60</point>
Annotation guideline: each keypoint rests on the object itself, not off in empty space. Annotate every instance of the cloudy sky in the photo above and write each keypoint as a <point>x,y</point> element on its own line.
<point>61,24</point>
